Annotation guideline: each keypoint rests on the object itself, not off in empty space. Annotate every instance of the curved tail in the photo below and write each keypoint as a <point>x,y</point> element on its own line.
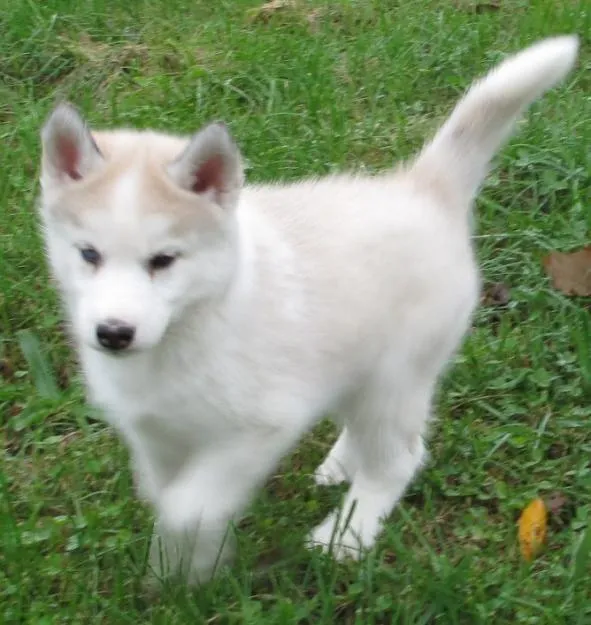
<point>459,155</point>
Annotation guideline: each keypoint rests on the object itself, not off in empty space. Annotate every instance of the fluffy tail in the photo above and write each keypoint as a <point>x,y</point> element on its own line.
<point>458,157</point>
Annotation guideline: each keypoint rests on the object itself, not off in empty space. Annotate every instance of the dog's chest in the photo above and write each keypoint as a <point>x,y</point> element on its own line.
<point>182,402</point>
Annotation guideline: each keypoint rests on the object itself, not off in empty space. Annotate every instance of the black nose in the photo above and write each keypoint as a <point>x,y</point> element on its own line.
<point>115,334</point>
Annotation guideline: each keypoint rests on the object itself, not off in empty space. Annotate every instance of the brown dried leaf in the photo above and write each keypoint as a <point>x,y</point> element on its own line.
<point>556,502</point>
<point>69,438</point>
<point>562,510</point>
<point>570,272</point>
<point>265,11</point>
<point>6,368</point>
<point>15,410</point>
<point>478,7</point>
<point>313,17</point>
<point>497,294</point>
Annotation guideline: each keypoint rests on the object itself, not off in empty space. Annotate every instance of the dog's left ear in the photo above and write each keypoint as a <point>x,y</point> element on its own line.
<point>211,166</point>
<point>69,151</point>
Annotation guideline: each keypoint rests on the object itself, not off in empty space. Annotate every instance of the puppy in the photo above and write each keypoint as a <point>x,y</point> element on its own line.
<point>216,322</point>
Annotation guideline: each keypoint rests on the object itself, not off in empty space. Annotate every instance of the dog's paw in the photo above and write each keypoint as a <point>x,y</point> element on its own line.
<point>341,544</point>
<point>330,472</point>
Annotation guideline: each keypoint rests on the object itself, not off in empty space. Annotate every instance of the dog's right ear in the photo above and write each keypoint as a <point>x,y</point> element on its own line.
<point>69,151</point>
<point>210,166</point>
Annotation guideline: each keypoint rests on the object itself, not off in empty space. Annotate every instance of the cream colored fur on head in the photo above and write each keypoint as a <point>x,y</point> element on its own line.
<point>216,323</point>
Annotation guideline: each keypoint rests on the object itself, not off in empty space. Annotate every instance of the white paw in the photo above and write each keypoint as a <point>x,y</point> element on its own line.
<point>194,559</point>
<point>330,472</point>
<point>342,543</point>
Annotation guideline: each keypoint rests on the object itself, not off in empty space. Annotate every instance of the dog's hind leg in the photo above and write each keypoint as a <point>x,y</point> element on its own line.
<point>384,435</point>
<point>339,464</point>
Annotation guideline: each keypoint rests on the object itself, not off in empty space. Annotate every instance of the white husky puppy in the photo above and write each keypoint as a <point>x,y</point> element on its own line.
<point>217,322</point>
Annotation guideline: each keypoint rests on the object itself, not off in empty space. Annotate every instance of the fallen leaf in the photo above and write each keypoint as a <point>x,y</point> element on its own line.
<point>265,11</point>
<point>478,7</point>
<point>68,438</point>
<point>6,368</point>
<point>497,294</point>
<point>556,502</point>
<point>15,410</point>
<point>482,7</point>
<point>557,450</point>
<point>313,17</point>
<point>570,272</point>
<point>532,528</point>
<point>561,510</point>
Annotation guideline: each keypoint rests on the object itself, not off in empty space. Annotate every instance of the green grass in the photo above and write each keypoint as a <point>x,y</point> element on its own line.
<point>318,88</point>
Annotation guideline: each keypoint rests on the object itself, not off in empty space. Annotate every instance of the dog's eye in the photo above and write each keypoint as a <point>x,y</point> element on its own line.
<point>90,255</point>
<point>161,261</point>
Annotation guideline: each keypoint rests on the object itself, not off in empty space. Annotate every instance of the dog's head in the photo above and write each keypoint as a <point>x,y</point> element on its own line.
<point>138,226</point>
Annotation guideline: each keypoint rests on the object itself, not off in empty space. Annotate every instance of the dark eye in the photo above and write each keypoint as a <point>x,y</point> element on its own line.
<point>90,255</point>
<point>161,261</point>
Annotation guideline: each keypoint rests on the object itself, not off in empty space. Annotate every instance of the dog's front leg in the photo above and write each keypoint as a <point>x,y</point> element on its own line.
<point>191,553</point>
<point>191,536</point>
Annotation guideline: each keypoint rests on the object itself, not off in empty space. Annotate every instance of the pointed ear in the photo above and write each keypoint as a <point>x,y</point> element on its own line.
<point>210,166</point>
<point>69,151</point>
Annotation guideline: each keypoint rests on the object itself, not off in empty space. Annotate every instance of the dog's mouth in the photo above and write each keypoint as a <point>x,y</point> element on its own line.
<point>116,353</point>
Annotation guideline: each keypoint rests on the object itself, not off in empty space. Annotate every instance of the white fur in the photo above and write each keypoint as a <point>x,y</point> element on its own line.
<point>346,295</point>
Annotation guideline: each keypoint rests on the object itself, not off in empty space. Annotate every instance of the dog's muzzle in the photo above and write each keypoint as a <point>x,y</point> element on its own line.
<point>115,335</point>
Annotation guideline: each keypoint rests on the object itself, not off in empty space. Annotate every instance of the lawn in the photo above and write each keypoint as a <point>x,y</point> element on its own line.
<point>311,89</point>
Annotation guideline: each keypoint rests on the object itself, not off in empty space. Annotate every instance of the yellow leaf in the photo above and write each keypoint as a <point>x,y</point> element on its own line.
<point>532,528</point>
